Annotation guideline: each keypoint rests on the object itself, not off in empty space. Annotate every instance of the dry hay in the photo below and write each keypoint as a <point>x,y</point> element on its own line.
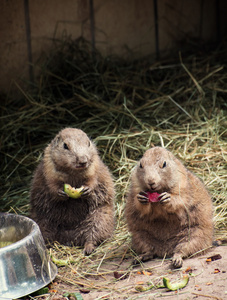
<point>125,107</point>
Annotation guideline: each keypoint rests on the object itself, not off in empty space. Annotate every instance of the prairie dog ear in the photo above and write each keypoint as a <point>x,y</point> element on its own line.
<point>55,141</point>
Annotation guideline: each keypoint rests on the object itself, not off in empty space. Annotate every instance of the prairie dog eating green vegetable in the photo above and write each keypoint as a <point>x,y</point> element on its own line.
<point>86,220</point>
<point>168,209</point>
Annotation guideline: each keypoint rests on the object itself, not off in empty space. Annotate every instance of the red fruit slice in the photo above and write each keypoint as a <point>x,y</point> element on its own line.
<point>153,197</point>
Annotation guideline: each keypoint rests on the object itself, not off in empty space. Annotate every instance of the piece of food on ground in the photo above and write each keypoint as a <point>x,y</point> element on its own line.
<point>177,285</point>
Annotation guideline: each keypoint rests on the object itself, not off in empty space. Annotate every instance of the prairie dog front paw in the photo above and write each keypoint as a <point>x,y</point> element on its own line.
<point>143,198</point>
<point>164,197</point>
<point>62,194</point>
<point>86,190</point>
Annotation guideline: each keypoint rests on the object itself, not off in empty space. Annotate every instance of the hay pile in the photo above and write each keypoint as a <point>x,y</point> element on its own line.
<point>125,107</point>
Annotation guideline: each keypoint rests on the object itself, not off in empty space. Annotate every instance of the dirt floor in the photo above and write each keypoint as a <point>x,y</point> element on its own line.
<point>207,280</point>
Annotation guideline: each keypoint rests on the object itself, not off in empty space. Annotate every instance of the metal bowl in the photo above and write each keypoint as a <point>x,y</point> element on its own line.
<point>25,265</point>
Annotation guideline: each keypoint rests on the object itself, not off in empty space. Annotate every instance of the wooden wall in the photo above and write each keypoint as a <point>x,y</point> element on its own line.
<point>27,28</point>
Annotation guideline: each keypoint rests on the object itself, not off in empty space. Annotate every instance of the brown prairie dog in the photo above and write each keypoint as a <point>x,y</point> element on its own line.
<point>72,158</point>
<point>179,222</point>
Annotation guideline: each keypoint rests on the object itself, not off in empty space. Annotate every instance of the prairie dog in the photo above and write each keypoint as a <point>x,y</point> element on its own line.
<point>72,158</point>
<point>179,222</point>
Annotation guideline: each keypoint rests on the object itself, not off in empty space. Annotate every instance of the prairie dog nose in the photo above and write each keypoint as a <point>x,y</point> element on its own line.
<point>82,161</point>
<point>151,183</point>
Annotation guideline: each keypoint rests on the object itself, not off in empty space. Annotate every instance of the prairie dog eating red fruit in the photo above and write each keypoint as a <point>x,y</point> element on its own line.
<point>168,209</point>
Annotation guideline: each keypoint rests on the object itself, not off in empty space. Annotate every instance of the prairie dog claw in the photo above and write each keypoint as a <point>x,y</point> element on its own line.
<point>164,197</point>
<point>142,197</point>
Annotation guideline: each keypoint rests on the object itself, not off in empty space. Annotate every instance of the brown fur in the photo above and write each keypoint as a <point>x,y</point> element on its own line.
<point>181,223</point>
<point>87,221</point>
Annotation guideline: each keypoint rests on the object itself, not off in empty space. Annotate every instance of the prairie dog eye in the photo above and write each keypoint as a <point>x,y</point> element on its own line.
<point>164,165</point>
<point>141,165</point>
<point>89,143</point>
<point>65,146</point>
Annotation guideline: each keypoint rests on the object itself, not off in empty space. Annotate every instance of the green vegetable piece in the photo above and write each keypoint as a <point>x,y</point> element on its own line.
<point>77,296</point>
<point>60,262</point>
<point>175,286</point>
<point>142,288</point>
<point>73,192</point>
<point>41,292</point>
